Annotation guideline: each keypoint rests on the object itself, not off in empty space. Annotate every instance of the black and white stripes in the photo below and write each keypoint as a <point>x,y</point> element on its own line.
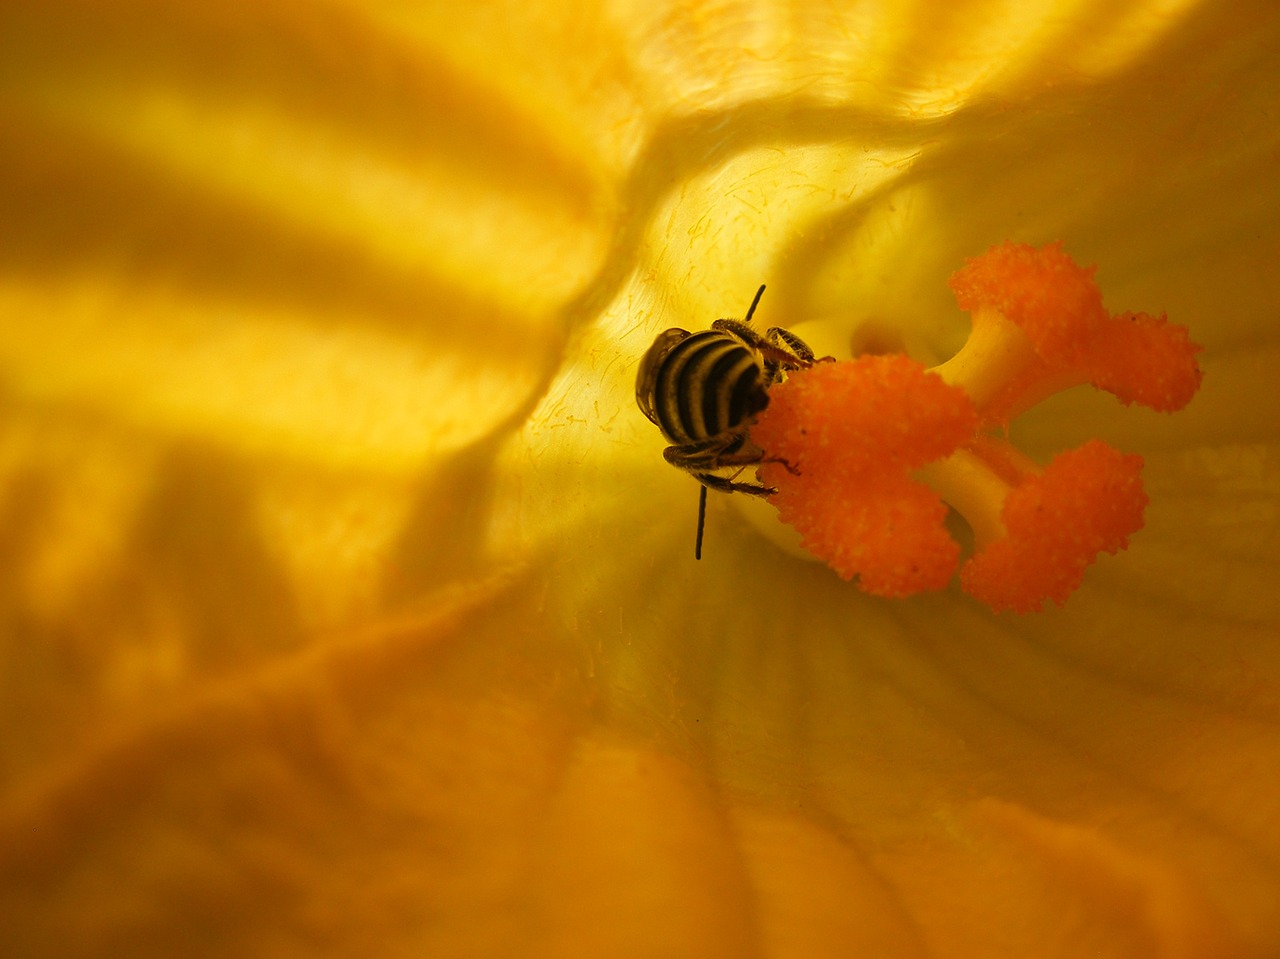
<point>703,391</point>
<point>710,383</point>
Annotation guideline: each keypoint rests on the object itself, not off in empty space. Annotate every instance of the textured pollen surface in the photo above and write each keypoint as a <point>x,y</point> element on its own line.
<point>1056,303</point>
<point>1042,290</point>
<point>843,437</point>
<point>842,440</point>
<point>1146,360</point>
<point>1088,500</point>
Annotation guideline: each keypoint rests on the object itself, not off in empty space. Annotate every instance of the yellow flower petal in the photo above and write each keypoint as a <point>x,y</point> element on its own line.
<point>349,607</point>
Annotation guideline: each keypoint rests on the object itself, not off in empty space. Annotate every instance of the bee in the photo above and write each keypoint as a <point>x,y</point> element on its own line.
<point>704,390</point>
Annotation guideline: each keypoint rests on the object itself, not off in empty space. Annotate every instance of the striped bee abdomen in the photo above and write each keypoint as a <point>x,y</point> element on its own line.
<point>703,391</point>
<point>709,383</point>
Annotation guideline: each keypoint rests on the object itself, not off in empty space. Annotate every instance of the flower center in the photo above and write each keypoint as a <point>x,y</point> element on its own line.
<point>867,454</point>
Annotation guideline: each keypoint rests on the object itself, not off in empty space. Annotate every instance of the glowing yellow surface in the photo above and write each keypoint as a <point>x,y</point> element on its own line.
<point>348,607</point>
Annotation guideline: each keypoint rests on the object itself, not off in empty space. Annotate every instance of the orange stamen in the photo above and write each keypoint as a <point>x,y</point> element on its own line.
<point>843,438</point>
<point>1087,501</point>
<point>864,453</point>
<point>1040,327</point>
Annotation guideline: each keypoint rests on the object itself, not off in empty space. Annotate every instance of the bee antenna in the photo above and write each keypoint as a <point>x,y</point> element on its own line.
<point>702,515</point>
<point>759,293</point>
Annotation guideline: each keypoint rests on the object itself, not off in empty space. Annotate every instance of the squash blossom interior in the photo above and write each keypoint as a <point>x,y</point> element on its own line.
<point>348,608</point>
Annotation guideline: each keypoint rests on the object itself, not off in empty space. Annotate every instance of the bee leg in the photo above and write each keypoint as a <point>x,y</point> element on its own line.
<point>789,341</point>
<point>781,349</point>
<point>706,456</point>
<point>722,485</point>
<point>701,459</point>
<point>719,483</point>
<point>793,470</point>
<point>701,472</point>
<point>777,351</point>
